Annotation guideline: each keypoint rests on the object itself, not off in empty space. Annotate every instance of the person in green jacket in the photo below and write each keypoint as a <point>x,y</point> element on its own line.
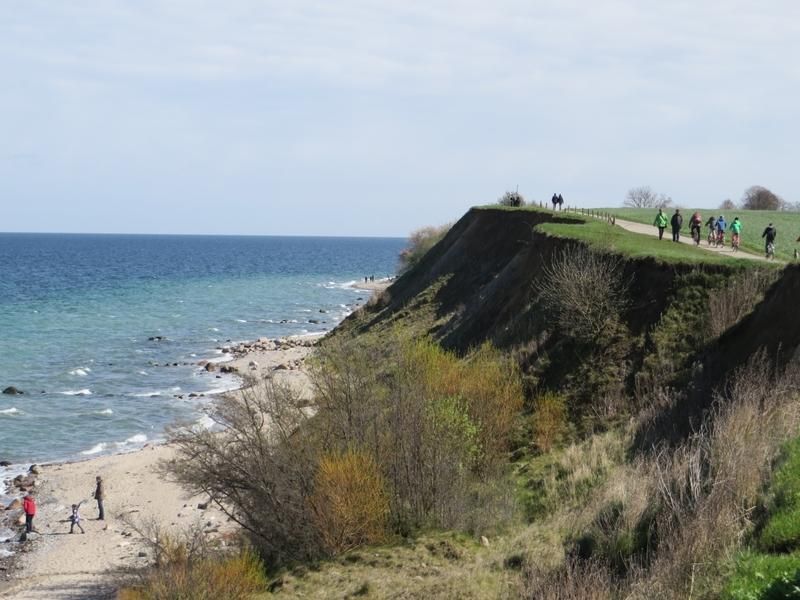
<point>661,222</point>
<point>736,228</point>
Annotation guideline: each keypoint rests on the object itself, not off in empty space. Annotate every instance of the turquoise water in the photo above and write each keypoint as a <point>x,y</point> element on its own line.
<point>77,313</point>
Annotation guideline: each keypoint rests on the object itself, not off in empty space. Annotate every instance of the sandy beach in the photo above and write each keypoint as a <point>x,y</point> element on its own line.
<point>60,566</point>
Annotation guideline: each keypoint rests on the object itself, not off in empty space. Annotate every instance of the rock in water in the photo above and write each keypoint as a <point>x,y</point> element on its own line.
<point>12,391</point>
<point>5,463</point>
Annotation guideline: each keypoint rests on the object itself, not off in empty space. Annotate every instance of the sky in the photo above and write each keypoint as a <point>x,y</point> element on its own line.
<point>376,118</point>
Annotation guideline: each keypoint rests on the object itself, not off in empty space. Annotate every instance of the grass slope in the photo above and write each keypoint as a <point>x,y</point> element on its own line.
<point>753,224</point>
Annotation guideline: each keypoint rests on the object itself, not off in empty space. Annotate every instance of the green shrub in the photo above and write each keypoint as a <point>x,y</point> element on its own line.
<point>781,532</point>
<point>419,242</point>
<point>549,420</point>
<point>764,577</point>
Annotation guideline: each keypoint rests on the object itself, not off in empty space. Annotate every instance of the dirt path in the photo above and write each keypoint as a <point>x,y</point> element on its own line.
<point>687,239</point>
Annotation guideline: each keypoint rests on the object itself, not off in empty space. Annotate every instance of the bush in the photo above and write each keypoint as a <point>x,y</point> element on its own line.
<point>259,469</point>
<point>549,420</point>
<point>231,578</point>
<point>419,242</point>
<point>350,504</point>
<point>513,199</point>
<point>584,292</point>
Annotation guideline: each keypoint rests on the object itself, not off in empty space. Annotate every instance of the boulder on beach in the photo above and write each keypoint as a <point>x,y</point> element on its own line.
<point>15,504</point>
<point>34,470</point>
<point>5,463</point>
<point>12,391</point>
<point>210,367</point>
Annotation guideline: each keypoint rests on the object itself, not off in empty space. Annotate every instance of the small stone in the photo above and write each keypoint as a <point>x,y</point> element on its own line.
<point>202,505</point>
<point>142,554</point>
<point>484,541</point>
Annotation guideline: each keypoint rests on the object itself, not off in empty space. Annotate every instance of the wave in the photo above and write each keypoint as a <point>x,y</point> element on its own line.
<point>142,372</point>
<point>139,438</point>
<point>81,371</point>
<point>334,285</point>
<point>145,394</point>
<point>240,320</point>
<point>11,411</point>
<point>105,411</point>
<point>96,449</point>
<point>83,392</point>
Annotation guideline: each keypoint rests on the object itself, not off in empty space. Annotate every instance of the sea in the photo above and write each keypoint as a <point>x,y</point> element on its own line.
<point>104,333</point>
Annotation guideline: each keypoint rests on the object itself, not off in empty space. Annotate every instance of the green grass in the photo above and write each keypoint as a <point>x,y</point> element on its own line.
<point>764,577</point>
<point>603,236</point>
<point>781,532</point>
<point>753,224</point>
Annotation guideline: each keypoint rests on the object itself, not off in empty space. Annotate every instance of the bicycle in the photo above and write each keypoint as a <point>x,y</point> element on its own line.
<point>696,234</point>
<point>720,241</point>
<point>735,242</point>
<point>712,237</point>
<point>770,250</point>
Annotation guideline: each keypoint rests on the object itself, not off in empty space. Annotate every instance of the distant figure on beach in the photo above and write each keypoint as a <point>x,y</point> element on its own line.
<point>366,279</point>
<point>660,222</point>
<point>372,277</point>
<point>99,495</point>
<point>560,202</point>
<point>29,507</point>
<point>677,223</point>
<point>554,200</point>
<point>75,518</point>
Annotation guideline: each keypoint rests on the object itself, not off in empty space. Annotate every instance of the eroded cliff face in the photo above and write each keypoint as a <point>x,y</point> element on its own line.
<point>483,280</point>
<point>481,283</point>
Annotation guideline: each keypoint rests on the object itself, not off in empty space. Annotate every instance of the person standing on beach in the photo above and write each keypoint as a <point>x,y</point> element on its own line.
<point>29,506</point>
<point>75,518</point>
<point>99,495</point>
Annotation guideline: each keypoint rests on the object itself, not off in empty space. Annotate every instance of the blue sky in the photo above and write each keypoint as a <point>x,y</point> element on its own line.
<point>375,118</point>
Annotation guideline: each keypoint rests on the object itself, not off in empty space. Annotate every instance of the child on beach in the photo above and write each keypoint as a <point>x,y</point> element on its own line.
<point>75,518</point>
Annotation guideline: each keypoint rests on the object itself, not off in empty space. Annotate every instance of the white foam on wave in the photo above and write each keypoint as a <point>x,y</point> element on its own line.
<point>145,394</point>
<point>142,372</point>
<point>96,449</point>
<point>214,328</point>
<point>11,411</point>
<point>105,411</point>
<point>83,392</point>
<point>139,438</point>
<point>241,321</point>
<point>81,371</point>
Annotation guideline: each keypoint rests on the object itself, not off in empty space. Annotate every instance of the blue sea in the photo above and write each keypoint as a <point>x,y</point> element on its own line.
<point>77,313</point>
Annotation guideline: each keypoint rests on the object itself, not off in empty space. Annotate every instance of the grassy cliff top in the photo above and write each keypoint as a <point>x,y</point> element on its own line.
<point>601,235</point>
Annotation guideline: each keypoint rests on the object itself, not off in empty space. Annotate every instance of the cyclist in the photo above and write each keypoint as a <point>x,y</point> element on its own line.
<point>712,229</point>
<point>695,223</point>
<point>720,229</point>
<point>736,229</point>
<point>769,235</point>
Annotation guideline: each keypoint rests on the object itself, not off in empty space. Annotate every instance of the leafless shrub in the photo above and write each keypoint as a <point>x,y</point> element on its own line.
<point>730,304</point>
<point>584,292</point>
<point>758,197</point>
<point>259,469</point>
<point>419,242</point>
<point>574,580</point>
<point>645,197</point>
<point>513,199</point>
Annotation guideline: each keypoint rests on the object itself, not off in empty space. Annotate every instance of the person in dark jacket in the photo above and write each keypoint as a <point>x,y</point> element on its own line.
<point>99,495</point>
<point>677,223</point>
<point>554,200</point>
<point>769,235</point>
<point>29,507</point>
<point>560,202</point>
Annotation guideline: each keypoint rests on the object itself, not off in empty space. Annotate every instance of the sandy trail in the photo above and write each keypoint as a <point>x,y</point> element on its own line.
<point>687,239</point>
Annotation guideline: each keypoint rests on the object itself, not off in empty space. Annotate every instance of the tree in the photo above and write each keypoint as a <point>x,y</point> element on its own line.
<point>727,204</point>
<point>760,198</point>
<point>644,197</point>
<point>511,199</point>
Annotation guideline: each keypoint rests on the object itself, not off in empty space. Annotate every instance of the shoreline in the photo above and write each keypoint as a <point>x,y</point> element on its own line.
<point>59,565</point>
<point>136,488</point>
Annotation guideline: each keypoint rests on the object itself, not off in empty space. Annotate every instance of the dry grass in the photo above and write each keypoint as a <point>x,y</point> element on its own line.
<point>549,420</point>
<point>728,305</point>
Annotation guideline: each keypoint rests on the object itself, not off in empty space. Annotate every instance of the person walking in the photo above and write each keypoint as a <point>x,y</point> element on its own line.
<point>560,202</point>
<point>695,224</point>
<point>677,223</point>
<point>660,222</point>
<point>554,200</point>
<point>99,495</point>
<point>29,507</point>
<point>769,235</point>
